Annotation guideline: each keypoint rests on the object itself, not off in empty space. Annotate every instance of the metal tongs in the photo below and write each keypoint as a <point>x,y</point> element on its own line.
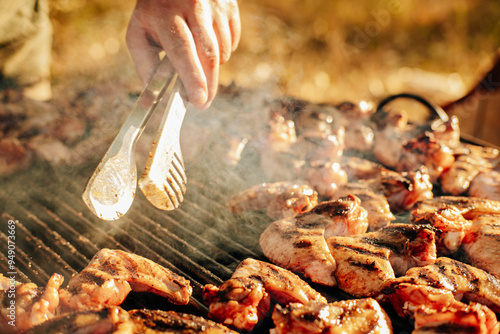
<point>110,191</point>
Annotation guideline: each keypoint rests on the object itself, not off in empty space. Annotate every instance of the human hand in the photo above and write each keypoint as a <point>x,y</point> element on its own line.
<point>196,35</point>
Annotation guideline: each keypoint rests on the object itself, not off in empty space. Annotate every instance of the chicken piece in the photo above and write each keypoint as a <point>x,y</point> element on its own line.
<point>299,245</point>
<point>441,285</point>
<point>450,226</point>
<point>323,176</point>
<point>459,319</point>
<point>244,300</point>
<point>410,245</point>
<point>469,207</point>
<point>486,185</point>
<point>33,305</point>
<point>447,132</point>
<point>355,316</point>
<point>360,169</point>
<point>452,217</point>
<point>277,159</point>
<point>359,137</point>
<point>158,321</point>
<point>390,135</point>
<point>481,245</point>
<point>427,151</point>
<point>112,274</point>
<point>362,269</point>
<point>403,190</point>
<point>312,118</point>
<point>379,212</point>
<point>279,199</point>
<point>313,146</point>
<point>388,146</point>
<point>457,179</point>
<point>301,250</point>
<point>110,319</point>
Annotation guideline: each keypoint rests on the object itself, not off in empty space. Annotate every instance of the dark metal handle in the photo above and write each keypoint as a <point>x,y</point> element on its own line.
<point>438,111</point>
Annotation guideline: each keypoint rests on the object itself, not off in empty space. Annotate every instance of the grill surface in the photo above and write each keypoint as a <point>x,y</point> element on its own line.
<point>202,241</point>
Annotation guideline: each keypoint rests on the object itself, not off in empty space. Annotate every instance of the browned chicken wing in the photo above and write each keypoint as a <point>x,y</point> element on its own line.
<point>279,199</point>
<point>356,316</point>
<point>299,245</point>
<point>112,274</point>
<point>425,150</point>
<point>441,285</point>
<point>244,300</point>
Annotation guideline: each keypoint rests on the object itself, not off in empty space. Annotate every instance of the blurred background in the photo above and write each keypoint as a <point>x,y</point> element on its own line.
<point>318,50</point>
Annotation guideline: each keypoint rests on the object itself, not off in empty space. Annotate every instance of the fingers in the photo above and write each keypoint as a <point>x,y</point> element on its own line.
<point>207,48</point>
<point>143,53</point>
<point>197,36</point>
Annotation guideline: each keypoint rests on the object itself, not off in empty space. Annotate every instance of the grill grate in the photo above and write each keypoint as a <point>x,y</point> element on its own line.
<point>201,240</point>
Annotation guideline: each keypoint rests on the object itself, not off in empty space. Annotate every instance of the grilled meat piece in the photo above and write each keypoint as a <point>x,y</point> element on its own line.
<point>33,305</point>
<point>301,250</point>
<point>356,316</point>
<point>452,217</point>
<point>459,319</point>
<point>442,285</point>
<point>457,179</point>
<point>481,245</point>
<point>486,185</point>
<point>366,261</point>
<point>470,160</point>
<point>279,199</point>
<point>410,245</point>
<point>158,321</point>
<point>112,274</point>
<point>449,224</point>
<point>425,150</point>
<point>323,176</point>
<point>299,245</point>
<point>360,169</point>
<point>403,190</point>
<point>245,299</point>
<point>110,319</point>
<point>362,268</point>
<point>379,212</point>
<point>390,135</point>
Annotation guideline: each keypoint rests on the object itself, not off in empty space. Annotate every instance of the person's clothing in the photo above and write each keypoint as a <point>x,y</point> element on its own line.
<point>25,47</point>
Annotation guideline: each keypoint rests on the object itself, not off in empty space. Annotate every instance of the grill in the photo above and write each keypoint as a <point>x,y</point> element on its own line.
<point>56,233</point>
<point>202,241</point>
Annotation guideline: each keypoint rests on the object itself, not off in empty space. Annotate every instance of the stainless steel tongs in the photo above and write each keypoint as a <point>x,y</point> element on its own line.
<point>110,191</point>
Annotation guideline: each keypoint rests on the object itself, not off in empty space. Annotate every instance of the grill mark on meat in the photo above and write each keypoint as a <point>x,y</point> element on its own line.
<point>303,244</point>
<point>358,250</point>
<point>368,266</point>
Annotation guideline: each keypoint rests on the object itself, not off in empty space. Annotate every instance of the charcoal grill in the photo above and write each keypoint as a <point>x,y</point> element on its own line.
<point>202,240</point>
